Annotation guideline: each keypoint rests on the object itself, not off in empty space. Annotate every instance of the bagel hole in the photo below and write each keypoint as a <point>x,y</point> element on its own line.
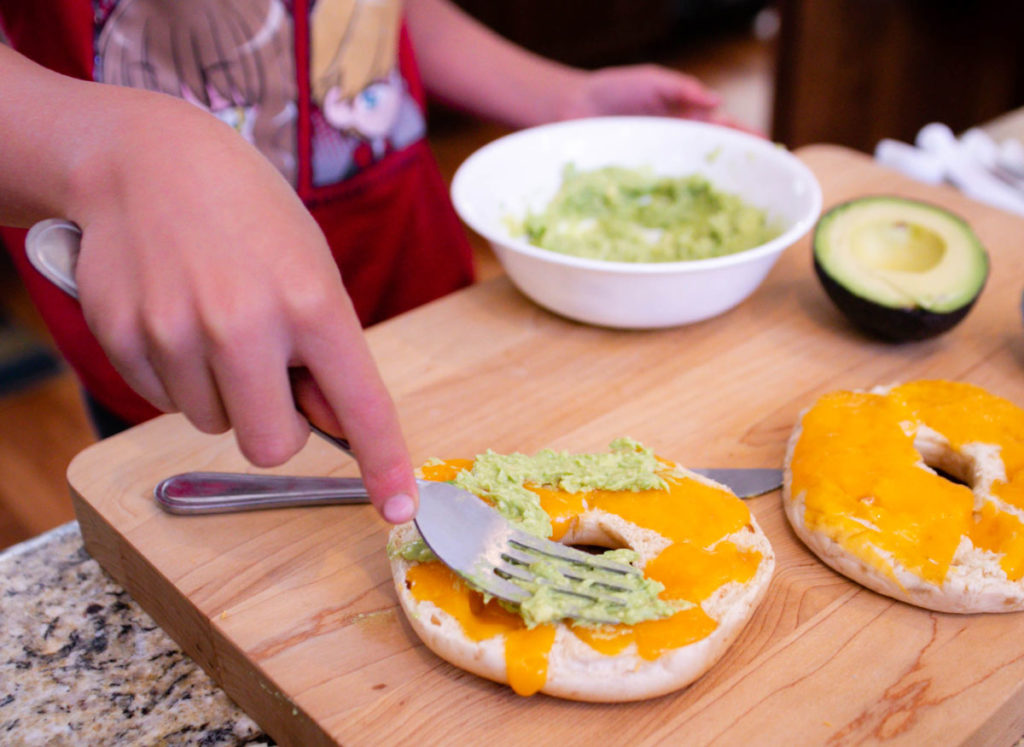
<point>595,533</point>
<point>597,549</point>
<point>952,478</point>
<point>946,463</point>
<point>593,538</point>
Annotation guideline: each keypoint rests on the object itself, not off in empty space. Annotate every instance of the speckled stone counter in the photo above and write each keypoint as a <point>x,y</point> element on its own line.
<point>82,664</point>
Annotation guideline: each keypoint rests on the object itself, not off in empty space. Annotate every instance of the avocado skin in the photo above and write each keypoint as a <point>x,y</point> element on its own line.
<point>887,323</point>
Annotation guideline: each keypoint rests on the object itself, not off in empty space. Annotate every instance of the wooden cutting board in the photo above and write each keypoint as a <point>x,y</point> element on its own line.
<point>293,611</point>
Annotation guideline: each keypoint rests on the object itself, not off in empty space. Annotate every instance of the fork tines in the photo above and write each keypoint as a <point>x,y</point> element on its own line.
<point>533,561</point>
<point>571,555</point>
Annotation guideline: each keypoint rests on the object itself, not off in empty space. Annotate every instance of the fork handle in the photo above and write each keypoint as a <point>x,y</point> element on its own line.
<point>225,492</point>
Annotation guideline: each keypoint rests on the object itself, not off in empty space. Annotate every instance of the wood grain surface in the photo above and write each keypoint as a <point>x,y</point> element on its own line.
<point>293,611</point>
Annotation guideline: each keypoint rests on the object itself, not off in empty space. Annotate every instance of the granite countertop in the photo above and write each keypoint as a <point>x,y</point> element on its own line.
<point>81,663</point>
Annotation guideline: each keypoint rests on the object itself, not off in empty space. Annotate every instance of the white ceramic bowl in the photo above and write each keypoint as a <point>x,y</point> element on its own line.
<point>523,171</point>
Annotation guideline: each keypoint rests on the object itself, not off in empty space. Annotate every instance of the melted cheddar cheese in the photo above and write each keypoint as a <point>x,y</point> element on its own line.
<point>693,516</point>
<point>859,473</point>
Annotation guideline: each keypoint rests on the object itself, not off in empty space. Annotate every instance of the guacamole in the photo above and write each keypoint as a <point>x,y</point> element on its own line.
<point>633,215</point>
<point>502,480</point>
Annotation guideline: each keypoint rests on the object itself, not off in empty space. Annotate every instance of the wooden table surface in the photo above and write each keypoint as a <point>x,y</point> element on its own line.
<point>294,614</point>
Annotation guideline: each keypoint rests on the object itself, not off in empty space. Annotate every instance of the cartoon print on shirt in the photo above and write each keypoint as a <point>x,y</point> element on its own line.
<point>233,58</point>
<point>364,107</point>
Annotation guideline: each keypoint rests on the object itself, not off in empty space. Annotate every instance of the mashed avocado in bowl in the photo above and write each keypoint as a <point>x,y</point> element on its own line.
<point>634,215</point>
<point>661,221</point>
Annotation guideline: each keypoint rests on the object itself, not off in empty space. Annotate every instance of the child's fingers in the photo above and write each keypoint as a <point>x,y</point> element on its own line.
<point>312,403</point>
<point>118,333</point>
<point>175,351</point>
<point>253,380</point>
<point>342,367</point>
<point>684,91</point>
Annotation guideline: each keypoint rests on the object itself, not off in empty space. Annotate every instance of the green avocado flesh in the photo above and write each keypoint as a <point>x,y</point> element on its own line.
<point>634,215</point>
<point>502,480</point>
<point>899,268</point>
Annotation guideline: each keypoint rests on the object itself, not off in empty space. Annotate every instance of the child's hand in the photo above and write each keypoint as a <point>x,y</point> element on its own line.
<point>644,90</point>
<point>206,281</point>
<point>640,89</point>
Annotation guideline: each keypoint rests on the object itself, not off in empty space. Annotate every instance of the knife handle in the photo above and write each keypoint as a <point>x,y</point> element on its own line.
<point>226,492</point>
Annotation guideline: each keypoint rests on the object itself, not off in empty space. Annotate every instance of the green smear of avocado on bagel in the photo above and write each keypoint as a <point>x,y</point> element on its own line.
<point>633,215</point>
<point>501,479</point>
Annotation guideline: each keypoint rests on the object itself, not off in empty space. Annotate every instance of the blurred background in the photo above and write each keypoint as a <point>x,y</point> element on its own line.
<point>847,72</point>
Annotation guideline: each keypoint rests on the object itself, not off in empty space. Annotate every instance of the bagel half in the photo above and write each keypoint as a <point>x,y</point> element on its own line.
<point>864,489</point>
<point>693,535</point>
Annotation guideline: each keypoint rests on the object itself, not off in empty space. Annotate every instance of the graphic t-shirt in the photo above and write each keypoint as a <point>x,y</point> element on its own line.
<point>327,90</point>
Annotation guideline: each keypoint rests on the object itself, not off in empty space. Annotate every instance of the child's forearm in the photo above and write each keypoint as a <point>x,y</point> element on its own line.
<point>469,66</point>
<point>36,107</point>
<point>58,134</point>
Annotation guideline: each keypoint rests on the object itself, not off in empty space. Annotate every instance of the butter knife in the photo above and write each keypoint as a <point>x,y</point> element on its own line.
<point>224,492</point>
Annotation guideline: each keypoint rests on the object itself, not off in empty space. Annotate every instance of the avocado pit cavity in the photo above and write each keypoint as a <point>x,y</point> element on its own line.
<point>897,247</point>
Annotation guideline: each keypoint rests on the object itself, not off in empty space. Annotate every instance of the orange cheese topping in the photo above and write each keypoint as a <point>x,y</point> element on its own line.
<point>693,516</point>
<point>854,463</point>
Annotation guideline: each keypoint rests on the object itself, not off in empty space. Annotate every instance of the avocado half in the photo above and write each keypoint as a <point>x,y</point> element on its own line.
<point>899,269</point>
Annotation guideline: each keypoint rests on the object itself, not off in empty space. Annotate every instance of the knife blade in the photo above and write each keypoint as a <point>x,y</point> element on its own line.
<point>746,482</point>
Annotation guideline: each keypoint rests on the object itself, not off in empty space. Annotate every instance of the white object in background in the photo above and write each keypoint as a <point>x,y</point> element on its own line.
<point>937,138</point>
<point>990,154</point>
<point>965,171</point>
<point>523,171</point>
<point>910,161</point>
<point>1011,156</point>
<point>981,147</point>
<point>994,195</point>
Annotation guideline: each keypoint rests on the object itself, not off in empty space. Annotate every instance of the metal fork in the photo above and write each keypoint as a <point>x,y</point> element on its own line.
<point>479,544</point>
<point>469,536</point>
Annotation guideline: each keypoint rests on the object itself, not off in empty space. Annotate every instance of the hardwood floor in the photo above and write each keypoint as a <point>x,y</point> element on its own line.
<point>44,426</point>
